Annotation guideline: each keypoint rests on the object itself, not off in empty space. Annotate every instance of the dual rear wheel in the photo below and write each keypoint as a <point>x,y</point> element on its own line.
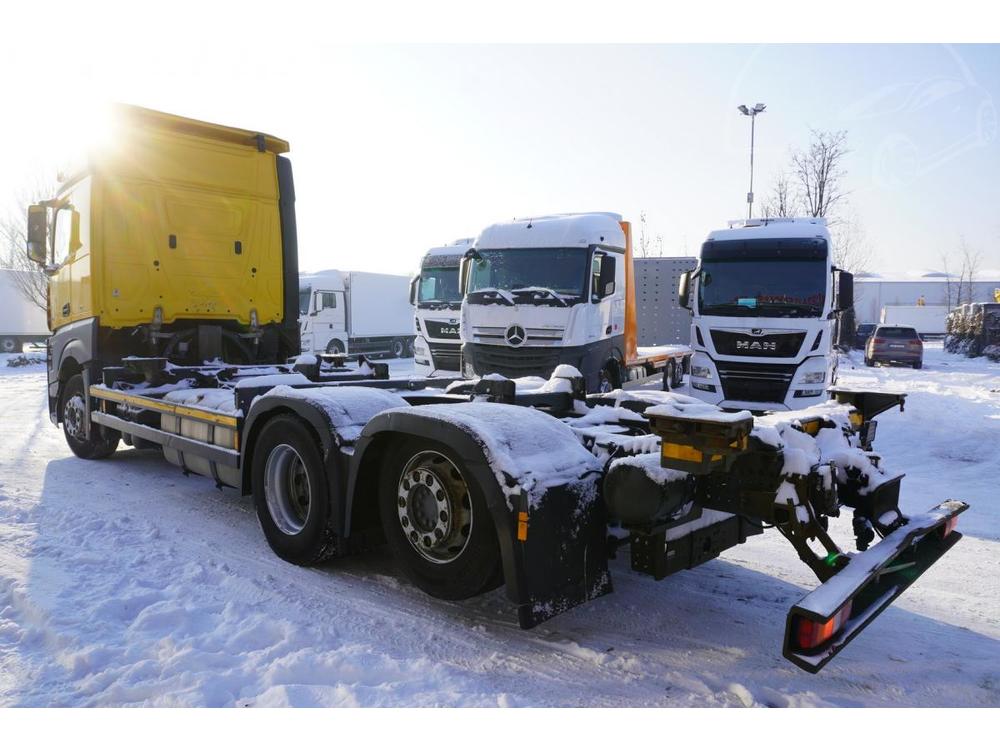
<point>433,512</point>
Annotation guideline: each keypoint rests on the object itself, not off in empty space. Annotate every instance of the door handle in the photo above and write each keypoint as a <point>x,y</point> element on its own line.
<point>65,309</point>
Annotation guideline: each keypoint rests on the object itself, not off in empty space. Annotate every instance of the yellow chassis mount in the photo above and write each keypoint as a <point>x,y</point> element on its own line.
<point>164,407</point>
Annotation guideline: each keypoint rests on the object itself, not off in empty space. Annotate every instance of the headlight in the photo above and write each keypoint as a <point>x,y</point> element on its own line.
<point>701,372</point>
<point>813,377</point>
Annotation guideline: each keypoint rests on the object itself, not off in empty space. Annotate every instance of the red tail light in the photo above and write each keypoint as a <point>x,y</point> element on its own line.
<point>811,634</point>
<point>878,341</point>
<point>915,342</point>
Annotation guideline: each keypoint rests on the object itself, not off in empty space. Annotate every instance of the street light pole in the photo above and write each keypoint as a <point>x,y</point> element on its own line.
<point>752,114</point>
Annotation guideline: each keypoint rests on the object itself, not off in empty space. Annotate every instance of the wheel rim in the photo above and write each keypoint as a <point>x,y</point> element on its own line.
<point>397,349</point>
<point>287,489</point>
<point>8,345</point>
<point>334,348</point>
<point>434,507</point>
<point>73,416</point>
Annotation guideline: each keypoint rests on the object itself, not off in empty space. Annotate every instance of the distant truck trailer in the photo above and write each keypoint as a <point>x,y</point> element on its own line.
<point>928,320</point>
<point>21,321</point>
<point>356,313</point>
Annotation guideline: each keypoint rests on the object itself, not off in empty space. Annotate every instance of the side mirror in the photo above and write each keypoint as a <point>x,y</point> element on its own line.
<point>38,234</point>
<point>413,289</point>
<point>845,290</point>
<point>606,281</point>
<point>684,290</point>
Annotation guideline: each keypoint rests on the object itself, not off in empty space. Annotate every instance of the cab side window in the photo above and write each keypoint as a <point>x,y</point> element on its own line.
<point>327,300</point>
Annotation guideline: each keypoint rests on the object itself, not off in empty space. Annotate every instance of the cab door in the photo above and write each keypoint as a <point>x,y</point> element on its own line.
<point>330,319</point>
<point>70,289</point>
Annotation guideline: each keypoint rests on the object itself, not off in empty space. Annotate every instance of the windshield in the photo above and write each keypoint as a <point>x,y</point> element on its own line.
<point>438,285</point>
<point>771,288</point>
<point>533,275</point>
<point>304,294</point>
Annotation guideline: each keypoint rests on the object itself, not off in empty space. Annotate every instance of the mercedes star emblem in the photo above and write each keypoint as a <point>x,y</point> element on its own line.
<point>515,335</point>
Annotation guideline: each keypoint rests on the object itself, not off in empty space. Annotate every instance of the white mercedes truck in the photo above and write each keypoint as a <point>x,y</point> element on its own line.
<point>355,313</point>
<point>437,305</point>
<point>765,299</point>
<point>558,290</point>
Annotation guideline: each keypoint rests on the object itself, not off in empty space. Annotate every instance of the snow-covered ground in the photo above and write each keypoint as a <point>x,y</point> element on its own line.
<point>125,582</point>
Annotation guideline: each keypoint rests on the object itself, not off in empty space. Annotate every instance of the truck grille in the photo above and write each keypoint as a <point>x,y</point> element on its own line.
<point>446,356</point>
<point>437,329</point>
<point>535,336</point>
<point>515,363</point>
<point>734,343</point>
<point>755,381</point>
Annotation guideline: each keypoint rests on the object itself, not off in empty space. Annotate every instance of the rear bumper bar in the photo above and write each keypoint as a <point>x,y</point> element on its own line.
<point>848,602</point>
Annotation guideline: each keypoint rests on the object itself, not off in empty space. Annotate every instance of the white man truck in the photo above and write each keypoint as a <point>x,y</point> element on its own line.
<point>555,290</point>
<point>437,305</point>
<point>765,299</point>
<point>355,313</point>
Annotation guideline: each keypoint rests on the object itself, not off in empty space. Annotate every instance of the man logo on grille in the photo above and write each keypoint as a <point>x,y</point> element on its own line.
<point>515,335</point>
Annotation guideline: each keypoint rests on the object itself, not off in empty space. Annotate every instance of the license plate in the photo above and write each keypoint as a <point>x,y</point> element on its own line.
<point>897,346</point>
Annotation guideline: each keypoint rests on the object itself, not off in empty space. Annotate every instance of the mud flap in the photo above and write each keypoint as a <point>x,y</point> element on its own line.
<point>560,546</point>
<point>833,614</point>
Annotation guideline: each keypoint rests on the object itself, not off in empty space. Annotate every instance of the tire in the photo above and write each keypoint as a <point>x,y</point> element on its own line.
<point>101,443</point>
<point>11,345</point>
<point>446,546</point>
<point>610,376</point>
<point>918,365</point>
<point>335,347</point>
<point>398,348</point>
<point>669,376</point>
<point>678,374</point>
<point>291,493</point>
<point>869,362</point>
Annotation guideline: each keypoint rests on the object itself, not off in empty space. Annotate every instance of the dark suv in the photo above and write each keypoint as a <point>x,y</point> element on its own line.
<point>862,333</point>
<point>895,344</point>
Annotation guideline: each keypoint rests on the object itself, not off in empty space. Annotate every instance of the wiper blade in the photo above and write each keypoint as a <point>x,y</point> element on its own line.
<point>544,290</point>
<point>493,295</point>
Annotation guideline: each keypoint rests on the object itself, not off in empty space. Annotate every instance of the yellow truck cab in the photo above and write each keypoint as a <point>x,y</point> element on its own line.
<point>176,240</point>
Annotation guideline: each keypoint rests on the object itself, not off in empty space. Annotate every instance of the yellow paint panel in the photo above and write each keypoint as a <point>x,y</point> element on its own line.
<point>681,452</point>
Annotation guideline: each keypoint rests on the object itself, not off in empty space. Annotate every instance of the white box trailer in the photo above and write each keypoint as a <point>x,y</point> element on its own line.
<point>21,321</point>
<point>356,313</point>
<point>928,320</point>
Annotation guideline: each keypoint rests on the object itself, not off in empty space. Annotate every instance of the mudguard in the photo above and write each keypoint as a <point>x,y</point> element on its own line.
<point>552,549</point>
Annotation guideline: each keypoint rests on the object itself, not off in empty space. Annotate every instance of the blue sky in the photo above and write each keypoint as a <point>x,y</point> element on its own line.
<point>397,148</point>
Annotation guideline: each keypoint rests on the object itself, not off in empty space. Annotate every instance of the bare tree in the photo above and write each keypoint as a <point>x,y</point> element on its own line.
<point>781,202</point>
<point>818,172</point>
<point>643,237</point>
<point>30,280</point>
<point>970,262</point>
<point>851,250</point>
<point>949,291</point>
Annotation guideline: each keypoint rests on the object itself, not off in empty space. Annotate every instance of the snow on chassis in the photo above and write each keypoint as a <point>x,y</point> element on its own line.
<point>532,484</point>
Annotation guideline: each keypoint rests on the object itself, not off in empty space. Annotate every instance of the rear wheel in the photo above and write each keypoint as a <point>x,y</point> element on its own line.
<point>10,345</point>
<point>398,348</point>
<point>668,376</point>
<point>291,494</point>
<point>101,442</point>
<point>610,376</point>
<point>918,365</point>
<point>436,522</point>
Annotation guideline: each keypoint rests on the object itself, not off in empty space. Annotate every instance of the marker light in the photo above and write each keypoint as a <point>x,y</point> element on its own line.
<point>811,634</point>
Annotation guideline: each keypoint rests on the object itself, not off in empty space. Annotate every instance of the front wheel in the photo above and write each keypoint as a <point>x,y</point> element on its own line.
<point>101,442</point>
<point>290,492</point>
<point>436,522</point>
<point>10,345</point>
<point>335,347</point>
<point>398,348</point>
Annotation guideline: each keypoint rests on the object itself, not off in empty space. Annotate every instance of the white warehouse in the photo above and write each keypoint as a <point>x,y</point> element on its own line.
<point>872,291</point>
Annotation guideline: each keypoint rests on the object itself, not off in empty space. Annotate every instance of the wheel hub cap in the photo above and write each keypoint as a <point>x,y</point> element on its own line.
<point>434,508</point>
